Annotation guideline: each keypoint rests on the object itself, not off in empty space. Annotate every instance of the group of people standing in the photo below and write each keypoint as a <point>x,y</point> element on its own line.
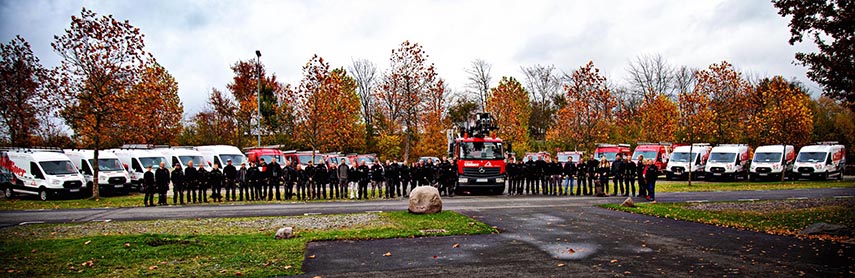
<point>554,178</point>
<point>267,181</point>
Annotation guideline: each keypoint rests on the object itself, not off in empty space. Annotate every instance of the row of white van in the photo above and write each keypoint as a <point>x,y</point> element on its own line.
<point>54,173</point>
<point>732,161</point>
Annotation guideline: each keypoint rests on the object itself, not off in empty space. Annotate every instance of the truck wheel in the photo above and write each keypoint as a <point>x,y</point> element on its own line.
<point>8,193</point>
<point>43,195</point>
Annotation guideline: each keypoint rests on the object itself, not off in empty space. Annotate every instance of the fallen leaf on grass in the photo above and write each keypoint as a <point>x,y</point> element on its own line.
<point>435,257</point>
<point>561,265</point>
<point>127,244</point>
<point>34,251</point>
<point>613,261</point>
<point>87,242</point>
<point>152,267</point>
<point>238,273</point>
<point>311,256</point>
<point>571,251</point>
<point>87,263</point>
<point>223,271</point>
<point>456,245</point>
<point>388,254</point>
<point>288,267</point>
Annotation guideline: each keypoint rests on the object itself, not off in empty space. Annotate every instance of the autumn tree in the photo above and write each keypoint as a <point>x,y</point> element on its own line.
<point>158,109</point>
<point>411,84</point>
<point>658,118</point>
<point>650,75</point>
<point>462,109</point>
<point>833,122</point>
<point>21,86</point>
<point>696,118</point>
<point>780,113</point>
<point>215,124</point>
<point>478,80</point>
<point>728,94</point>
<point>329,117</point>
<point>543,83</point>
<point>831,26</point>
<point>510,105</point>
<point>101,59</point>
<point>587,117</point>
<point>244,90</point>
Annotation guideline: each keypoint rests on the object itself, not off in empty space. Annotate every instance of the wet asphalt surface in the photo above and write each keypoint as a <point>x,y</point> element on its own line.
<point>539,237</point>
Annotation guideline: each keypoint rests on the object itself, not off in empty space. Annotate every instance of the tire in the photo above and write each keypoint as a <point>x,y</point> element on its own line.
<point>9,193</point>
<point>840,177</point>
<point>43,195</point>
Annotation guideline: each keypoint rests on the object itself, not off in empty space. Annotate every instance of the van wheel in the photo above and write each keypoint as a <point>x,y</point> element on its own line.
<point>43,195</point>
<point>8,193</point>
<point>840,177</point>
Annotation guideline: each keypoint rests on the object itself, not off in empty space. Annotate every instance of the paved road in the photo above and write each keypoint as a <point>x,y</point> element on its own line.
<point>460,203</point>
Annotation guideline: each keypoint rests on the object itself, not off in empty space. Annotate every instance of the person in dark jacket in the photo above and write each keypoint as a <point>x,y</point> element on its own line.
<point>617,174</point>
<point>191,178</point>
<point>253,175</point>
<point>642,185</point>
<point>364,178</point>
<point>161,178</point>
<point>651,174</point>
<point>511,171</point>
<point>593,167</point>
<point>148,187</point>
<point>569,173</point>
<point>274,175</point>
<point>177,178</point>
<point>446,175</point>
<point>332,174</point>
<point>290,177</point>
<point>321,177</point>
<point>230,173</point>
<point>343,174</point>
<point>242,182</point>
<point>582,176</point>
<point>309,173</point>
<point>416,175</point>
<point>603,172</point>
<point>404,171</point>
<point>392,176</point>
<point>542,176</point>
<point>629,176</point>
<point>204,183</point>
<point>530,176</point>
<point>556,169</point>
<point>429,173</point>
<point>216,179</point>
<point>376,173</point>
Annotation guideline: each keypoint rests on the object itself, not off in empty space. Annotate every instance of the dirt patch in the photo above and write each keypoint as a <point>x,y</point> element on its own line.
<point>774,206</point>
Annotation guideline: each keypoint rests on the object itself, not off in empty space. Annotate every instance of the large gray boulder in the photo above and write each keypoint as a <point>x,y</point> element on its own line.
<point>425,200</point>
<point>283,233</point>
<point>822,228</point>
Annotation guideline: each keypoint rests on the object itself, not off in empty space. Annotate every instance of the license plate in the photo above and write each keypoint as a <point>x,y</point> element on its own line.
<point>764,174</point>
<point>678,173</point>
<point>74,190</point>
<point>805,174</point>
<point>119,186</point>
<point>716,174</point>
<point>481,180</point>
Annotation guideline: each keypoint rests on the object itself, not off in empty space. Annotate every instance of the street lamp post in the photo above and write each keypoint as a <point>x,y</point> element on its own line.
<point>258,120</point>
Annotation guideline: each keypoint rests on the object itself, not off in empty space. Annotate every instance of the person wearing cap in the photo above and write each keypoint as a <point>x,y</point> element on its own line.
<point>253,180</point>
<point>241,181</point>
<point>204,183</point>
<point>191,181</point>
<point>231,175</point>
<point>148,186</point>
<point>161,178</point>
<point>177,178</point>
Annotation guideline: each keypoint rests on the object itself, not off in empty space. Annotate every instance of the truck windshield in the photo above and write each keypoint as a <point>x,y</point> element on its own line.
<point>563,157</point>
<point>722,157</point>
<point>481,150</point>
<point>811,157</point>
<point>153,161</point>
<point>767,157</point>
<point>236,159</point>
<point>107,164</point>
<point>647,154</point>
<point>58,167</point>
<point>610,156</point>
<point>319,159</point>
<point>268,158</point>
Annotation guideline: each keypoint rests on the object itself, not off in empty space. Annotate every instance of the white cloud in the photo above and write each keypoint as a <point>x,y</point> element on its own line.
<point>197,41</point>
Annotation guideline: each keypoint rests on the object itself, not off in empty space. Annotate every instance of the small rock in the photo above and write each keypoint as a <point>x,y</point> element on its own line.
<point>425,200</point>
<point>283,233</point>
<point>628,203</point>
<point>825,229</point>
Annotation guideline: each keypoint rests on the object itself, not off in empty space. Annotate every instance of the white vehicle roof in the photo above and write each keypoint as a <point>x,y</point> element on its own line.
<point>90,154</point>
<point>730,149</point>
<point>771,149</point>
<point>695,149</point>
<point>40,156</point>
<point>179,152</point>
<point>820,148</point>
<point>219,149</point>
<point>137,152</point>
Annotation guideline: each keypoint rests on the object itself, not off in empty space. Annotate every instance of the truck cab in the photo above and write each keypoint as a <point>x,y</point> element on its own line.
<point>687,159</point>
<point>730,161</point>
<point>255,155</point>
<point>660,153</point>
<point>610,151</point>
<point>820,161</point>
<point>112,176</point>
<point>772,161</point>
<point>46,173</point>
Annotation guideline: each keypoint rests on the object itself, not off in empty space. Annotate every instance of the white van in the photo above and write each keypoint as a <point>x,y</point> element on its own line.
<point>681,158</point>
<point>820,161</point>
<point>136,160</point>
<point>220,154</point>
<point>728,161</point>
<point>771,161</point>
<point>182,155</point>
<point>49,174</point>
<point>112,176</point>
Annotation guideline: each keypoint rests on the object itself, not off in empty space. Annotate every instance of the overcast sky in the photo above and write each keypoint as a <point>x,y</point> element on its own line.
<point>197,41</point>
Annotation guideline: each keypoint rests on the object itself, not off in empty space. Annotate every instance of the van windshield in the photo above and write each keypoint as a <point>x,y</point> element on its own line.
<point>646,154</point>
<point>236,158</point>
<point>304,159</point>
<point>767,157</point>
<point>722,157</point>
<point>107,164</point>
<point>197,160</point>
<point>154,162</point>
<point>58,167</point>
<point>610,156</point>
<point>811,156</point>
<point>682,157</point>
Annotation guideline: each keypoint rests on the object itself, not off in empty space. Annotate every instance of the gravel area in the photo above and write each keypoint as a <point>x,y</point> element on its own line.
<point>774,206</point>
<point>207,226</point>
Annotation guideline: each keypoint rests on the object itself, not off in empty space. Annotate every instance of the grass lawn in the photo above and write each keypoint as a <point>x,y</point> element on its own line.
<point>704,186</point>
<point>771,217</point>
<point>202,247</point>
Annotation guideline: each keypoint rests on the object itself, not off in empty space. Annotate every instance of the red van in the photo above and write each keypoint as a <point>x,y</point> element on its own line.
<point>658,152</point>
<point>610,151</point>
